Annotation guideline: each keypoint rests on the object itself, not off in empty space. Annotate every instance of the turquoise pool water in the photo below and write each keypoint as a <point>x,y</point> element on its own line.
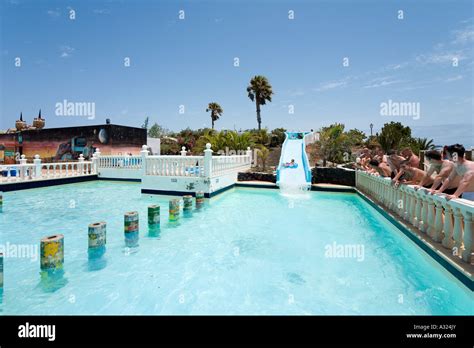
<point>249,251</point>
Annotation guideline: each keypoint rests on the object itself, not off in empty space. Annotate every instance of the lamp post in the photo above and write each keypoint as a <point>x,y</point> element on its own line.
<point>371,127</point>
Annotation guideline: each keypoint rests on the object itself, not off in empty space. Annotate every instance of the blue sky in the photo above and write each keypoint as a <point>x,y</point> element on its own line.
<point>190,62</point>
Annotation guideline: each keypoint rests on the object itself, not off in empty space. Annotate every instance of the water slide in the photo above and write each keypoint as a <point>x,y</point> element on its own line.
<point>293,171</point>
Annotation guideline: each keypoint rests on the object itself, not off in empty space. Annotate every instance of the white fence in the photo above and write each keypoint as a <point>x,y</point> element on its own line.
<point>120,162</point>
<point>207,166</point>
<point>132,167</point>
<point>225,164</point>
<point>449,222</point>
<point>40,171</point>
<point>175,166</point>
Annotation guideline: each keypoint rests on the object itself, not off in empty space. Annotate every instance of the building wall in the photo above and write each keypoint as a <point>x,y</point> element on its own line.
<point>54,144</point>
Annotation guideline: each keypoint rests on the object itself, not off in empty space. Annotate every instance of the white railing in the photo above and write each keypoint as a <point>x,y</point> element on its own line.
<point>120,162</point>
<point>175,166</point>
<point>448,222</point>
<point>17,172</point>
<point>225,164</point>
<point>65,169</point>
<point>195,166</point>
<point>37,170</point>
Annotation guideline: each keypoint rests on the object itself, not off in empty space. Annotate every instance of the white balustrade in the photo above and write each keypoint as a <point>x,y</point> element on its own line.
<point>175,166</point>
<point>449,222</point>
<point>37,170</point>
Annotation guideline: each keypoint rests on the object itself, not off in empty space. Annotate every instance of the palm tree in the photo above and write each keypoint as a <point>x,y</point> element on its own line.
<point>216,112</point>
<point>263,154</point>
<point>424,144</point>
<point>259,91</point>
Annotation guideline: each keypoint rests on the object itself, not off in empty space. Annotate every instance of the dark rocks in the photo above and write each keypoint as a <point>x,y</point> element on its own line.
<point>254,176</point>
<point>337,176</point>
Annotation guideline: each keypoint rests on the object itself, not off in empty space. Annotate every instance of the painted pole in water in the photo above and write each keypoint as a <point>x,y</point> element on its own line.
<point>97,235</point>
<point>52,252</point>
<point>154,217</point>
<point>1,201</point>
<point>188,203</point>
<point>1,270</point>
<point>199,199</point>
<point>131,228</point>
<point>174,210</point>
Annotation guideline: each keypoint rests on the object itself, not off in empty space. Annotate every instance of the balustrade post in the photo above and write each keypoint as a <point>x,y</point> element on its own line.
<point>95,161</point>
<point>144,154</point>
<point>448,241</point>
<point>22,166</point>
<point>438,223</point>
<point>208,161</point>
<point>249,156</point>
<point>37,163</point>
<point>430,216</point>
<point>468,236</point>
<point>80,164</point>
<point>417,218</point>
<point>457,232</point>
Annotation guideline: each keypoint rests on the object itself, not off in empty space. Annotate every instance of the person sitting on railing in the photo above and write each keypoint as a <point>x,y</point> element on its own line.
<point>442,168</point>
<point>413,159</point>
<point>380,168</point>
<point>463,168</point>
<point>409,175</point>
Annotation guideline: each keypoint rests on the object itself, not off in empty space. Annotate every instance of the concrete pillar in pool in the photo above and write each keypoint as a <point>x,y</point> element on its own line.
<point>97,237</point>
<point>131,229</point>
<point>52,252</point>
<point>199,199</point>
<point>153,219</point>
<point>174,210</point>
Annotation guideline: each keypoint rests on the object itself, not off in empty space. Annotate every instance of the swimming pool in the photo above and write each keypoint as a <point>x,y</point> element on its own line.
<point>249,251</point>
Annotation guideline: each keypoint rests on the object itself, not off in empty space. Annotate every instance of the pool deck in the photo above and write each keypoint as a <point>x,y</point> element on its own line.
<point>37,183</point>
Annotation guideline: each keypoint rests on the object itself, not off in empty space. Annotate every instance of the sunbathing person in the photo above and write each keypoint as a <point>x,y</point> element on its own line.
<point>442,168</point>
<point>409,175</point>
<point>413,159</point>
<point>463,169</point>
<point>380,168</point>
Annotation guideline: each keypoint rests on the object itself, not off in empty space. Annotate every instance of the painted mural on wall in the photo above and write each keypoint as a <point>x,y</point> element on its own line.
<point>67,144</point>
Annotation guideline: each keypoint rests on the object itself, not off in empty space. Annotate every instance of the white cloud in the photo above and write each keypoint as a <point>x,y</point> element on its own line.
<point>381,82</point>
<point>463,36</point>
<point>331,85</point>
<point>440,57</point>
<point>101,11</point>
<point>296,93</point>
<point>54,13</point>
<point>66,51</point>
<point>454,78</point>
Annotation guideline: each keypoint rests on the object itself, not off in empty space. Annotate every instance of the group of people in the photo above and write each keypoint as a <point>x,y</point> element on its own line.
<point>448,171</point>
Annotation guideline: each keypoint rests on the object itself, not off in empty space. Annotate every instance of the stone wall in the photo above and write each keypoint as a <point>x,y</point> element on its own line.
<point>338,176</point>
<point>255,176</point>
<point>320,175</point>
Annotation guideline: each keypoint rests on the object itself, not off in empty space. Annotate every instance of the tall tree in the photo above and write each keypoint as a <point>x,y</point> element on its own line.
<point>144,125</point>
<point>216,112</point>
<point>259,91</point>
<point>393,136</point>
<point>157,131</point>
<point>333,143</point>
